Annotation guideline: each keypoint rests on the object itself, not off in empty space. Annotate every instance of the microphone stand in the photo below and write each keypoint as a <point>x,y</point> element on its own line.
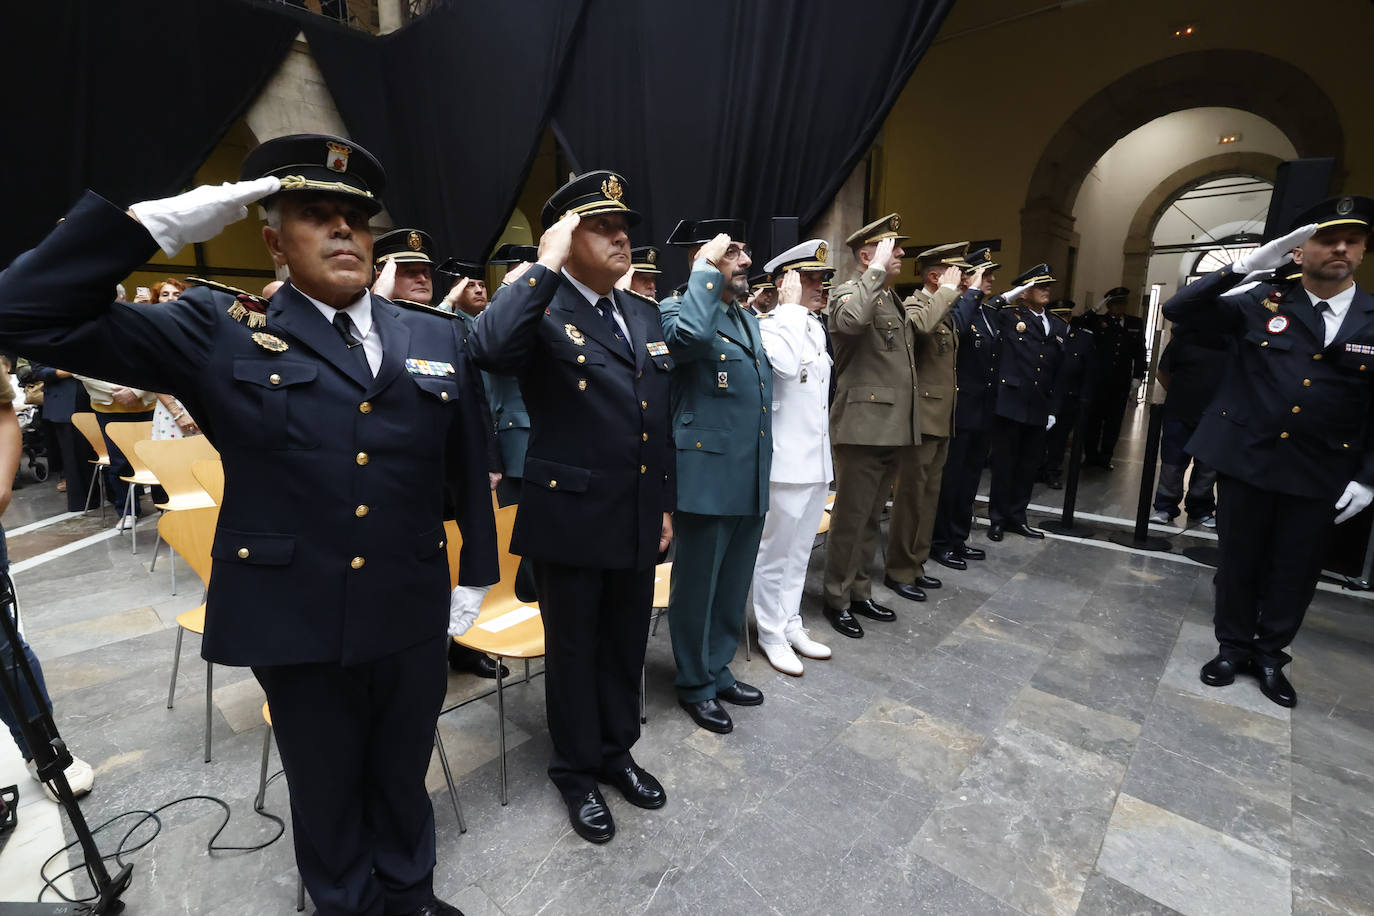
<point>51,756</point>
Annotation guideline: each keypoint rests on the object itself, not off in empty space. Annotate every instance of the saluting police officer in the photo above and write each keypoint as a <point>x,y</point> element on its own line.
<point>976,377</point>
<point>916,490</point>
<point>1291,430</point>
<point>1026,400</point>
<point>802,469</point>
<point>1119,341</point>
<point>763,293</point>
<point>873,418</point>
<point>342,422</point>
<point>644,263</point>
<point>722,388</point>
<point>599,483</point>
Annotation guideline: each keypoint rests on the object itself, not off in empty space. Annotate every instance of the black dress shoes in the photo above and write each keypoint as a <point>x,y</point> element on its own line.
<point>437,907</point>
<point>709,715</point>
<point>1026,531</point>
<point>994,532</point>
<point>741,694</point>
<point>844,623</point>
<point>949,558</point>
<point>1219,672</point>
<point>1054,482</point>
<point>590,817</point>
<point>637,784</point>
<point>901,589</point>
<point>972,553</point>
<point>928,582</point>
<point>461,658</point>
<point>875,611</point>
<point>1273,684</point>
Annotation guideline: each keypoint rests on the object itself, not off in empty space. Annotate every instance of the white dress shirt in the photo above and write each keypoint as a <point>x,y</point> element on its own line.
<point>594,297</point>
<point>1332,317</point>
<point>360,313</point>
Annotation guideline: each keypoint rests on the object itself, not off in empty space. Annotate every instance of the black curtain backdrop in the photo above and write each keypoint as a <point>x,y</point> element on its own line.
<point>454,106</point>
<point>723,108</point>
<point>126,98</point>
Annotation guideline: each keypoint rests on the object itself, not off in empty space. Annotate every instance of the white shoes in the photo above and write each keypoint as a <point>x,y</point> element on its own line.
<point>783,658</point>
<point>1208,521</point>
<point>79,776</point>
<point>125,523</point>
<point>805,645</point>
<point>1160,517</point>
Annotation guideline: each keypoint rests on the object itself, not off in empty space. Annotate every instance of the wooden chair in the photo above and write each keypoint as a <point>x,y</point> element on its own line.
<point>191,533</point>
<point>170,460</point>
<point>89,426</point>
<point>209,473</point>
<point>124,435</point>
<point>505,627</point>
<point>663,575</point>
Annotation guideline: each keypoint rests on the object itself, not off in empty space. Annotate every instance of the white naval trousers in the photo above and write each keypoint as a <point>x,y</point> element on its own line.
<point>789,531</point>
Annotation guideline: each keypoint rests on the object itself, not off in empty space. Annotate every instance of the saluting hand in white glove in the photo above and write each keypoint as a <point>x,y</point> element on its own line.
<point>1353,501</point>
<point>201,213</point>
<point>1049,424</point>
<point>1012,295</point>
<point>1272,254</point>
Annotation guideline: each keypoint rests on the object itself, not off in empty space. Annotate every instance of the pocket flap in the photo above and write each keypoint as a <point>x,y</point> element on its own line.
<point>875,395</point>
<point>445,389</point>
<point>431,542</point>
<point>513,419</point>
<point>273,372</point>
<point>582,356</point>
<point>1267,341</point>
<point>554,476</point>
<point>697,439</point>
<point>252,548</point>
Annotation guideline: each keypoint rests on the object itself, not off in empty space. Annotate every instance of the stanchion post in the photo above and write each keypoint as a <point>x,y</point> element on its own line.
<point>1140,537</point>
<point>1065,524</point>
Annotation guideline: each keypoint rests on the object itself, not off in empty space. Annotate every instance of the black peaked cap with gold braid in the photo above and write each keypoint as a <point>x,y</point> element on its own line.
<point>319,163</point>
<point>587,195</point>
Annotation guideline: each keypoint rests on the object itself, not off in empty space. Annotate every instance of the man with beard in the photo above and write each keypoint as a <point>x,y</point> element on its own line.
<point>1290,431</point>
<point>346,424</point>
<point>722,389</point>
<point>595,510</point>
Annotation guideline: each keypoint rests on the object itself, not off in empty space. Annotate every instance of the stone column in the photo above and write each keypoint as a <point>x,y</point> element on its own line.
<point>843,216</point>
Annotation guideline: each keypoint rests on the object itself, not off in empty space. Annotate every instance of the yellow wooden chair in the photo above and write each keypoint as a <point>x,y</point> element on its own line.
<point>663,576</point>
<point>89,426</point>
<point>505,626</point>
<point>209,473</point>
<point>124,434</point>
<point>171,460</point>
<point>191,533</point>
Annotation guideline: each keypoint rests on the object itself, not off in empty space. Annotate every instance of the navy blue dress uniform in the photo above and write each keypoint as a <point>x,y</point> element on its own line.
<point>1119,359</point>
<point>512,423</point>
<point>1290,426</point>
<point>1075,382</point>
<point>1026,399</point>
<point>330,573</point>
<point>598,478</point>
<point>722,389</point>
<point>976,375</point>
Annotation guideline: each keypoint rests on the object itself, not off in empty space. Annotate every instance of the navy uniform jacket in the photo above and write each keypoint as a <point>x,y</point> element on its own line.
<point>1292,415</point>
<point>464,321</point>
<point>60,395</point>
<point>599,470</point>
<point>1029,363</point>
<point>1120,349</point>
<point>722,390</point>
<point>511,418</point>
<point>330,541</point>
<point>976,368</point>
<point>1078,365</point>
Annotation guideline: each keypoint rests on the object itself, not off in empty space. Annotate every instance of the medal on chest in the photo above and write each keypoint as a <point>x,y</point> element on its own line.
<point>1277,325</point>
<point>803,375</point>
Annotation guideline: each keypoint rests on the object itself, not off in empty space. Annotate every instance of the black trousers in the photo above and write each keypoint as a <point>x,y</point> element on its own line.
<point>355,742</point>
<point>1017,450</point>
<point>968,451</point>
<point>596,624</point>
<point>1271,552</point>
<point>1102,423</point>
<point>77,456</point>
<point>1057,439</point>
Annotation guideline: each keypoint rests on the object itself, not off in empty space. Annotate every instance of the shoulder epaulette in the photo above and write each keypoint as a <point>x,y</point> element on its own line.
<point>640,296</point>
<point>246,308</point>
<point>224,288</point>
<point>421,307</point>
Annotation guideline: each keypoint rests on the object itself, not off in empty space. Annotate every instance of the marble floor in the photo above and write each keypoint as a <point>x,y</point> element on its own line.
<point>1031,740</point>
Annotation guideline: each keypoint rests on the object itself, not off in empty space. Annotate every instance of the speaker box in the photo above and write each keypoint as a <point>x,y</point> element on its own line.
<point>784,232</point>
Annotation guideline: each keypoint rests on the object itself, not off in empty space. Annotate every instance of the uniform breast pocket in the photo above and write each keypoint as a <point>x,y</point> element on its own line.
<point>437,397</point>
<point>888,330</point>
<point>278,394</point>
<point>726,374</point>
<point>1278,343</point>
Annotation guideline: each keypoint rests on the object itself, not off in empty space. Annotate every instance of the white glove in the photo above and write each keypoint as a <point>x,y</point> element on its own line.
<point>1135,385</point>
<point>463,606</point>
<point>1101,306</point>
<point>1272,254</point>
<point>201,213</point>
<point>1049,424</point>
<point>1256,276</point>
<point>1354,500</point>
<point>386,280</point>
<point>1012,295</point>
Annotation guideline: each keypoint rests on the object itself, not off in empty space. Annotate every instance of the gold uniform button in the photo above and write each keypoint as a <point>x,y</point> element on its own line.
<point>358,563</point>
<point>1264,343</point>
<point>1307,383</point>
<point>243,553</point>
<point>581,358</point>
<point>441,545</point>
<point>533,281</point>
<point>710,285</point>
<point>1316,356</point>
<point>643,468</point>
<point>698,445</point>
<point>873,397</point>
<point>553,485</point>
<point>1345,445</point>
<point>1297,409</point>
<point>643,405</point>
<point>365,407</point>
<point>760,434</point>
<point>1283,435</point>
<point>443,395</point>
<point>362,458</point>
<point>274,379</point>
<point>361,511</point>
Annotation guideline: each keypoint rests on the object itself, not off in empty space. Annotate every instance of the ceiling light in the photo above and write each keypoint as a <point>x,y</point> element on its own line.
<point>1229,138</point>
<point>1185,31</point>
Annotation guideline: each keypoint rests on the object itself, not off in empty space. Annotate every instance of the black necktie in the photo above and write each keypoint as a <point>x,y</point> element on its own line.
<point>606,309</point>
<point>344,325</point>
<point>1322,308</point>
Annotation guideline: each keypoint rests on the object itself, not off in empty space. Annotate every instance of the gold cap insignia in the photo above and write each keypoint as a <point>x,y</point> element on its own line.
<point>611,188</point>
<point>821,252</point>
<point>336,157</point>
<point>574,334</point>
<point>1345,205</point>
<point>653,255</point>
<point>414,241</point>
<point>895,223</point>
<point>270,342</point>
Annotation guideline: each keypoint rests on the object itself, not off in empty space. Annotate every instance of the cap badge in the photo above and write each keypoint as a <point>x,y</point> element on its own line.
<point>895,223</point>
<point>653,255</point>
<point>611,188</point>
<point>574,335</point>
<point>1345,205</point>
<point>821,252</point>
<point>414,241</point>
<point>336,158</point>
<point>269,342</point>
<point>1278,324</point>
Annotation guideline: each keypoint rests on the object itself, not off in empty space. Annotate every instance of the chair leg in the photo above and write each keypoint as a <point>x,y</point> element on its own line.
<point>209,704</point>
<point>300,892</point>
<point>157,547</point>
<point>90,491</point>
<point>128,511</point>
<point>176,663</point>
<point>448,778</point>
<point>501,726</point>
<point>262,773</point>
<point>643,687</point>
<point>657,614</point>
<point>527,671</point>
<point>104,494</point>
<point>172,561</point>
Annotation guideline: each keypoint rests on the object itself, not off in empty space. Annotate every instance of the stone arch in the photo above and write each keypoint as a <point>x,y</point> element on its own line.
<point>1249,80</point>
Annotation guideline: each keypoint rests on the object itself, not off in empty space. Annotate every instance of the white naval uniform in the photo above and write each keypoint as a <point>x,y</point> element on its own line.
<point>802,469</point>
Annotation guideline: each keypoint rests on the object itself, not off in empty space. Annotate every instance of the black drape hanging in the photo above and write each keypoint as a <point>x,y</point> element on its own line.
<point>453,106</point>
<point>723,108</point>
<point>126,98</point>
